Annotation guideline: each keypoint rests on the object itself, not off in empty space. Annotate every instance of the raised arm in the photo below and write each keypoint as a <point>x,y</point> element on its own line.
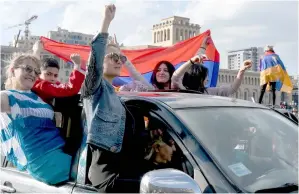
<point>94,74</point>
<point>37,49</point>
<point>177,77</point>
<point>72,87</point>
<point>136,75</point>
<point>233,88</point>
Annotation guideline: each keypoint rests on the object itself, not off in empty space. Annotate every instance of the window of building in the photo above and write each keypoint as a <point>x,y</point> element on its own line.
<point>182,35</point>
<point>158,36</point>
<point>245,96</point>
<point>186,34</point>
<point>155,37</point>
<point>177,34</point>
<point>161,34</point>
<point>165,35</point>
<point>168,34</point>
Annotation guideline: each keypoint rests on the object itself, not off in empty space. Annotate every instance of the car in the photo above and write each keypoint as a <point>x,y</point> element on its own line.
<point>223,145</point>
<point>288,114</point>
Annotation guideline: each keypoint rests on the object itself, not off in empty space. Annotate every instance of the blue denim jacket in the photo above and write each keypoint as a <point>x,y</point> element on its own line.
<point>104,111</point>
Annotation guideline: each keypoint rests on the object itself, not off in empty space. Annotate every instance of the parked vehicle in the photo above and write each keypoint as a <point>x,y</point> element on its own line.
<point>223,145</point>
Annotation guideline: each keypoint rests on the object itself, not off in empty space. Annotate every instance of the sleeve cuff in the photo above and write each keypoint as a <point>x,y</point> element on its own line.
<point>100,36</point>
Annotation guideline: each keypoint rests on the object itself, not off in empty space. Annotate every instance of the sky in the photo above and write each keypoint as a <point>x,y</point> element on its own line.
<point>234,24</point>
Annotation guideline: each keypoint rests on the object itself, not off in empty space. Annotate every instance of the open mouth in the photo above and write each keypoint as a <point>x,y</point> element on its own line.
<point>29,79</point>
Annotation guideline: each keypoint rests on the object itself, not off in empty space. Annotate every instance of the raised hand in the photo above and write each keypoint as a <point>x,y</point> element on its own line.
<point>38,46</point>
<point>76,59</point>
<point>206,41</point>
<point>113,41</point>
<point>247,64</point>
<point>109,12</point>
<point>198,59</point>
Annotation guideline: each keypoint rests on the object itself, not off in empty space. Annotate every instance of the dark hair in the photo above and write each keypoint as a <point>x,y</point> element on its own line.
<point>170,68</point>
<point>194,78</point>
<point>49,62</point>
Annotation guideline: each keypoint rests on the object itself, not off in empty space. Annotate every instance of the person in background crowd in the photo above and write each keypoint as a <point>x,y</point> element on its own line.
<point>268,51</point>
<point>194,76</point>
<point>105,113</point>
<point>27,120</point>
<point>273,73</point>
<point>295,112</point>
<point>47,86</point>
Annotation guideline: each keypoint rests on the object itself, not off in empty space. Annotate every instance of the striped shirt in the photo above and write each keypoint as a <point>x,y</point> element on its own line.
<point>28,132</point>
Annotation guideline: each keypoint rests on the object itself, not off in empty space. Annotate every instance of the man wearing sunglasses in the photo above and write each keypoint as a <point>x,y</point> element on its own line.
<point>47,86</point>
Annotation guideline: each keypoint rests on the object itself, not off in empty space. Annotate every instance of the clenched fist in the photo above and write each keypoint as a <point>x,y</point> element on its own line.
<point>247,64</point>
<point>109,12</point>
<point>76,59</point>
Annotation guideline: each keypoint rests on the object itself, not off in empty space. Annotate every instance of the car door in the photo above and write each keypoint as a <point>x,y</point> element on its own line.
<point>14,181</point>
<point>166,118</point>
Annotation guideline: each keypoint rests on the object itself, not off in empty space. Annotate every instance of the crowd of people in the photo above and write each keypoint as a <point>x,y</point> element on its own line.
<point>27,118</point>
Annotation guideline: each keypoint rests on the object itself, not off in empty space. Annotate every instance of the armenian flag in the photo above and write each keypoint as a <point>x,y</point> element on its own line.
<point>146,59</point>
<point>273,70</point>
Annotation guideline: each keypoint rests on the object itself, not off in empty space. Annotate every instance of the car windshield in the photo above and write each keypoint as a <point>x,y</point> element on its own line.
<point>256,148</point>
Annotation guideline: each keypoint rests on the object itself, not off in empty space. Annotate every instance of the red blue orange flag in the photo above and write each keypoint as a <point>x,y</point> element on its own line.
<point>145,59</point>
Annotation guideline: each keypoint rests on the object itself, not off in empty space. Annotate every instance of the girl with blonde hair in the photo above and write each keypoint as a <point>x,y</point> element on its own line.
<point>29,138</point>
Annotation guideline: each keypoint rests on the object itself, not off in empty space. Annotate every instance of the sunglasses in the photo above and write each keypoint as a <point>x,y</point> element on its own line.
<point>117,57</point>
<point>29,69</point>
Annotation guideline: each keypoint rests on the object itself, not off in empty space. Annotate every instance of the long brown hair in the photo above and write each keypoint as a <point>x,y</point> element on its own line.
<point>171,70</point>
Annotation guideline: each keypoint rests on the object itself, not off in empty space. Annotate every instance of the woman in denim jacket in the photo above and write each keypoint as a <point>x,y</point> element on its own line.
<point>105,114</point>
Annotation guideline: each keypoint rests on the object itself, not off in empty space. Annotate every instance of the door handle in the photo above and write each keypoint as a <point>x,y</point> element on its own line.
<point>7,187</point>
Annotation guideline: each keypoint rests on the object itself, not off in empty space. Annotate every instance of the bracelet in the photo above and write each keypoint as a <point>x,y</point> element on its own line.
<point>192,62</point>
<point>203,48</point>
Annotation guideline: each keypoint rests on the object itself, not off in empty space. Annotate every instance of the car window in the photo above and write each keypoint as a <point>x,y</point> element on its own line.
<point>294,118</point>
<point>155,131</point>
<point>251,145</point>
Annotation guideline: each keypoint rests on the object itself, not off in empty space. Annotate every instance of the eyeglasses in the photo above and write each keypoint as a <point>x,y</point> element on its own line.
<point>116,57</point>
<point>29,69</point>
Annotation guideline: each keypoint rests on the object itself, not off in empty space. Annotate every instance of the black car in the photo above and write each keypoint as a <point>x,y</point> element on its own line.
<point>223,145</point>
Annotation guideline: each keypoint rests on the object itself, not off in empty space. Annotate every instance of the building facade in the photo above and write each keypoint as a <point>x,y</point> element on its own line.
<point>235,58</point>
<point>65,36</point>
<point>22,43</point>
<point>172,30</point>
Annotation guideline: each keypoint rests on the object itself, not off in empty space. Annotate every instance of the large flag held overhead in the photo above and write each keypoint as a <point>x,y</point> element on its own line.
<point>146,59</point>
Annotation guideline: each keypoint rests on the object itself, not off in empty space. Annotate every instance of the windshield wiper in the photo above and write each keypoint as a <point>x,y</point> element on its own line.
<point>285,188</point>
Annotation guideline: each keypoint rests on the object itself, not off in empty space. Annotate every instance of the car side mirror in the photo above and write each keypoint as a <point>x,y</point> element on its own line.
<point>168,181</point>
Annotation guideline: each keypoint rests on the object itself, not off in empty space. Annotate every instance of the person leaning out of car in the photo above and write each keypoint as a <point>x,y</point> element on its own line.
<point>194,76</point>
